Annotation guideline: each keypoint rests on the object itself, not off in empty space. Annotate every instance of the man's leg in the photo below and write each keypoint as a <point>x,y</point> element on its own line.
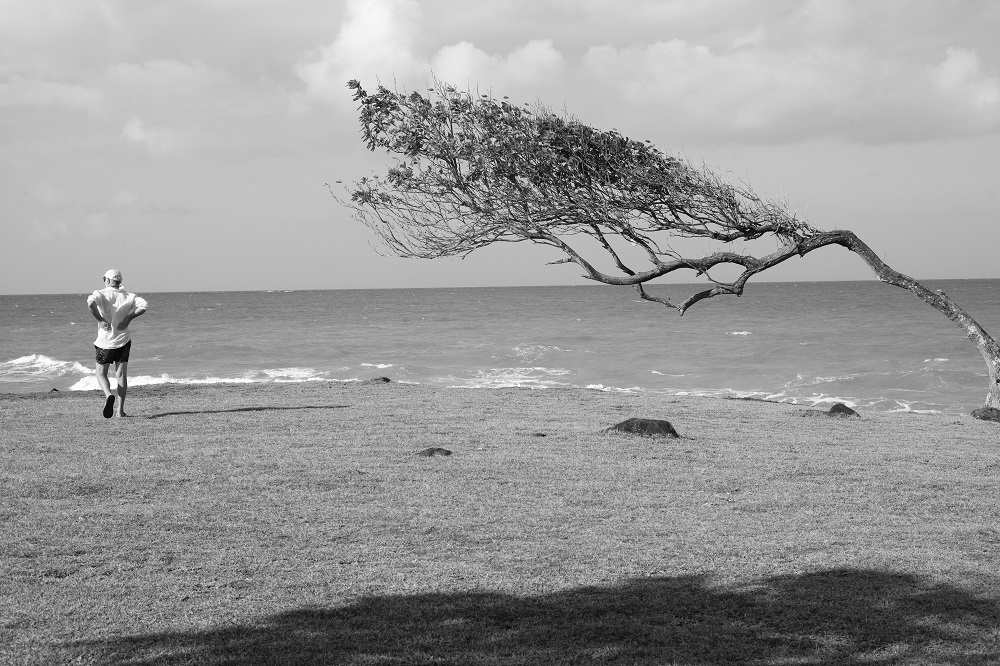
<point>121,376</point>
<point>101,372</point>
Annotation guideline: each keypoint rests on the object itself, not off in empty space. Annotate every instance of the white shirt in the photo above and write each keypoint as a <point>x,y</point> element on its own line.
<point>114,304</point>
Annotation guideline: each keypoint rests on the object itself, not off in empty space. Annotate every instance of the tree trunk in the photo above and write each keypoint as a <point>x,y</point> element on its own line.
<point>938,300</point>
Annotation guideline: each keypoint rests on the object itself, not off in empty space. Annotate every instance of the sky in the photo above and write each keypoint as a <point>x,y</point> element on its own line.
<point>188,142</point>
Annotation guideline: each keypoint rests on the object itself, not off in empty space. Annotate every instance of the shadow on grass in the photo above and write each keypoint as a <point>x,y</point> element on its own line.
<point>848,617</point>
<point>243,409</point>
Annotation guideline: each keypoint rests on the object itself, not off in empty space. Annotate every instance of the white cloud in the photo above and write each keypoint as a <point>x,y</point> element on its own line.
<point>97,224</point>
<point>739,91</point>
<point>47,230</point>
<point>464,65</point>
<point>765,93</point>
<point>375,41</point>
<point>22,91</point>
<point>807,71</point>
<point>166,78</point>
<point>124,199</point>
<point>961,74</point>
<point>46,193</point>
<point>160,142</point>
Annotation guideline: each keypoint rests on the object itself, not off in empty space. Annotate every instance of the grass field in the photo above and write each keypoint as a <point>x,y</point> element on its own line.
<point>296,524</point>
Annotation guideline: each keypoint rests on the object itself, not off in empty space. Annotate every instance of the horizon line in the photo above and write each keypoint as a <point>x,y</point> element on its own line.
<point>536,286</point>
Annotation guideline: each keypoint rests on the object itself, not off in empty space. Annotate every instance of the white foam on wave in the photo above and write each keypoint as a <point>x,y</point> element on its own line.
<point>813,400</point>
<point>532,353</point>
<point>293,374</point>
<point>380,366</point>
<point>740,333</point>
<point>277,375</point>
<point>528,377</point>
<point>935,360</point>
<point>39,367</point>
<point>612,389</point>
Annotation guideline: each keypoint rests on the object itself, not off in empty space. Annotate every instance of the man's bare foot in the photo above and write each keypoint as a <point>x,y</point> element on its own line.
<point>121,415</point>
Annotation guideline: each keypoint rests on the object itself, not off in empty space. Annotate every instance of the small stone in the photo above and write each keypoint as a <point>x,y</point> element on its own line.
<point>434,451</point>
<point>986,414</point>
<point>643,426</point>
<point>840,409</point>
<point>375,380</point>
<point>538,434</point>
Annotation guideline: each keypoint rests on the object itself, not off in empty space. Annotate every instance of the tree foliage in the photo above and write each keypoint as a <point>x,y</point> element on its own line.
<point>472,170</point>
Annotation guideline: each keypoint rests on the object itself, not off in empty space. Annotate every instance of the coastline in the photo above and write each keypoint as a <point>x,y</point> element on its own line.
<point>298,519</point>
<point>862,344</point>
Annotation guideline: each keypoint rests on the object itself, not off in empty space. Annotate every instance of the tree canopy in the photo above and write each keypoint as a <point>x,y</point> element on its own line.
<point>472,170</point>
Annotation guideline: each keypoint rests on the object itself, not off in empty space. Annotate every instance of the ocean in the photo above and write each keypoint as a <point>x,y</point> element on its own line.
<point>869,345</point>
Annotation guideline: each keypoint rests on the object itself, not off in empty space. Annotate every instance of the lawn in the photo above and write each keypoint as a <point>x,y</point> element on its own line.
<point>297,524</point>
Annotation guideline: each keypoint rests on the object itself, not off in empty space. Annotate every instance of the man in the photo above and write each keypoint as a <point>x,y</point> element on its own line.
<point>114,309</point>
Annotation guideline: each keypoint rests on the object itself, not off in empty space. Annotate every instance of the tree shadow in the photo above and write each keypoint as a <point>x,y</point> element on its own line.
<point>835,617</point>
<point>243,409</point>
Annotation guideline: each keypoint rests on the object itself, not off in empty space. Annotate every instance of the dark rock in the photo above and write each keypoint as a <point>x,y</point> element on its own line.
<point>840,409</point>
<point>641,426</point>
<point>538,434</point>
<point>986,413</point>
<point>55,390</point>
<point>375,380</point>
<point>434,451</point>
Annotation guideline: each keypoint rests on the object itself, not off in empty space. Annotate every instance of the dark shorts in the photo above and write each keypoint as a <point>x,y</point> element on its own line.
<point>116,355</point>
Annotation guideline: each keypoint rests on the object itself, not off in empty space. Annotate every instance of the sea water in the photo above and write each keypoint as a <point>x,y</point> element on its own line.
<point>866,344</point>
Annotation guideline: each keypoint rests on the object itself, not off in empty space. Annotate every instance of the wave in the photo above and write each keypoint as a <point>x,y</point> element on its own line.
<point>39,367</point>
<point>533,353</point>
<point>276,375</point>
<point>533,377</point>
<point>912,390</point>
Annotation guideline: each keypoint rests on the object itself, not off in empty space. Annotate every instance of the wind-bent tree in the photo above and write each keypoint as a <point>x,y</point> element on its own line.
<point>471,171</point>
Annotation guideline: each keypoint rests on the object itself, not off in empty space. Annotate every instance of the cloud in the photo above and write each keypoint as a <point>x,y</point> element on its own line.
<point>46,194</point>
<point>166,78</point>
<point>375,41</point>
<point>91,225</point>
<point>46,230</point>
<point>24,91</point>
<point>961,75</point>
<point>159,142</point>
<point>759,93</point>
<point>97,224</point>
<point>124,199</point>
<point>537,62</point>
<point>800,71</point>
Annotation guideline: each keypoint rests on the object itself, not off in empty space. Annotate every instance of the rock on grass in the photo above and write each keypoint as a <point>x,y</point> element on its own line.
<point>646,427</point>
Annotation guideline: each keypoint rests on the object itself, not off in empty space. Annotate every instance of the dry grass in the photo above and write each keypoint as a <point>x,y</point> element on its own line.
<point>295,524</point>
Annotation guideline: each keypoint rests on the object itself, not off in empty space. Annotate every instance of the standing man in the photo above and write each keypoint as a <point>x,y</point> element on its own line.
<point>114,309</point>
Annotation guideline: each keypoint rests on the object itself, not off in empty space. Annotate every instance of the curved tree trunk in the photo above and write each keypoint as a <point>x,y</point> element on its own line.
<point>938,300</point>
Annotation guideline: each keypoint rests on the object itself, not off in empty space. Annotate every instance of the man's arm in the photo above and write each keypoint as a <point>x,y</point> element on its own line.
<point>94,310</point>
<point>127,319</point>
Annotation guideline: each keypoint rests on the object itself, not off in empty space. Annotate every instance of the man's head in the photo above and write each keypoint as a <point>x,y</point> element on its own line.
<point>113,277</point>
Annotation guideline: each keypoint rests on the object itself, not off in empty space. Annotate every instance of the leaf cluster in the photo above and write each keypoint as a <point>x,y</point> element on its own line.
<point>471,170</point>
